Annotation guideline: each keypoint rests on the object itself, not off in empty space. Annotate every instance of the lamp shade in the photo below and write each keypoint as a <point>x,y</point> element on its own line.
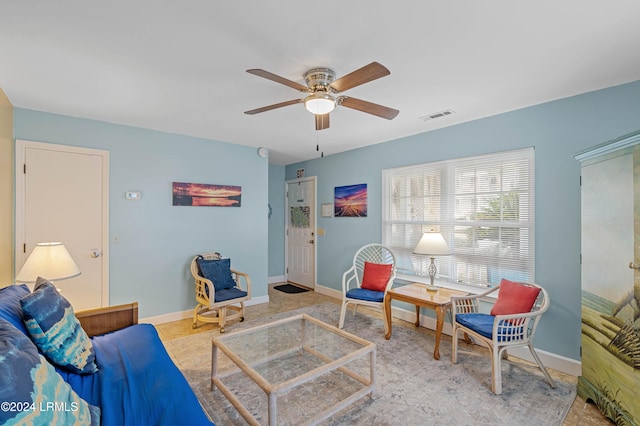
<point>48,260</point>
<point>319,103</point>
<point>432,244</point>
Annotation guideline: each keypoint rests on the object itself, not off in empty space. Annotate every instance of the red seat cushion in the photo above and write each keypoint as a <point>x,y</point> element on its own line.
<point>514,298</point>
<point>376,276</point>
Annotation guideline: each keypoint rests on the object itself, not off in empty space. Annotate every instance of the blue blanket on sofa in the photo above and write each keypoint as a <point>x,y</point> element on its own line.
<point>137,382</point>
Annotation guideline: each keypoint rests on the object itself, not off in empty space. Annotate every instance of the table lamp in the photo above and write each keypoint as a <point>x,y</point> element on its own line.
<point>432,244</point>
<point>48,260</point>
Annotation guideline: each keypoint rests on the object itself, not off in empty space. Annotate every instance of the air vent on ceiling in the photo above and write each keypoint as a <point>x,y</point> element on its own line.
<point>438,114</point>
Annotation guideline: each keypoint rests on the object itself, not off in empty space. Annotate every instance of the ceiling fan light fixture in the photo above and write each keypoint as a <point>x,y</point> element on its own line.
<point>319,103</point>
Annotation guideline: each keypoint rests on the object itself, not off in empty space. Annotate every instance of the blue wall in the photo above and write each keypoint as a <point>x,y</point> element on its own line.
<point>557,130</point>
<point>276,221</point>
<point>150,262</point>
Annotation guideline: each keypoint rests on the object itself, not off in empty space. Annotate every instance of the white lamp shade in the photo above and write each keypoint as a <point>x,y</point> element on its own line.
<point>432,244</point>
<point>48,260</point>
<point>319,103</point>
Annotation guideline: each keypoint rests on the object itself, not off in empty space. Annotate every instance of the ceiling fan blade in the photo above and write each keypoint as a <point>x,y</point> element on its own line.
<point>360,76</point>
<point>368,107</point>
<point>271,76</point>
<point>274,106</point>
<point>322,121</point>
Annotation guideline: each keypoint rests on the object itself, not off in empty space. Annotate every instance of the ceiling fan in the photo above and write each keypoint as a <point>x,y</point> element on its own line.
<point>321,87</point>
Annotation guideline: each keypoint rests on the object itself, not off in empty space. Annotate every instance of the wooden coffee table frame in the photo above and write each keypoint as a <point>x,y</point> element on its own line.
<point>274,390</point>
<point>418,295</point>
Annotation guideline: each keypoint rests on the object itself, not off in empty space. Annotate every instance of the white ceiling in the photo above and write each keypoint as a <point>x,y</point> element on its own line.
<point>179,66</point>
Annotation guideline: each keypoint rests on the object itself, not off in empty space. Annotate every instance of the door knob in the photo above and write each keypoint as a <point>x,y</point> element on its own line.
<point>633,266</point>
<point>94,253</point>
<point>310,241</point>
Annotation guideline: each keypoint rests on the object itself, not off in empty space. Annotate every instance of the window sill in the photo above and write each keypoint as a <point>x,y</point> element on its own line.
<point>472,289</point>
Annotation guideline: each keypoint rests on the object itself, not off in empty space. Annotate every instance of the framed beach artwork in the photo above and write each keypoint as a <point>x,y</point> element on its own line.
<point>202,194</point>
<point>350,201</point>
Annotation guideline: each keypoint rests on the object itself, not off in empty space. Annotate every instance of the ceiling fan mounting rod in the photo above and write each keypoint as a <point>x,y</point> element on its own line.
<point>319,79</point>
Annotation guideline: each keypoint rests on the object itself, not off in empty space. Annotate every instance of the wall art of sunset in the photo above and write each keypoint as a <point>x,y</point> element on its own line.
<point>200,194</point>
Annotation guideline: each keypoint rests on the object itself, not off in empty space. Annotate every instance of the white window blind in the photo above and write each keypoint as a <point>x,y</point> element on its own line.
<point>483,206</point>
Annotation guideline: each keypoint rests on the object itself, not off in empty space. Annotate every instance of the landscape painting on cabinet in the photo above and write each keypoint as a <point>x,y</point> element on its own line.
<point>611,286</point>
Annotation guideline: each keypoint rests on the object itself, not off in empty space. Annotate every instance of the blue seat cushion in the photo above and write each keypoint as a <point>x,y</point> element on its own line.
<point>483,325</point>
<point>480,323</point>
<point>228,294</point>
<point>365,294</point>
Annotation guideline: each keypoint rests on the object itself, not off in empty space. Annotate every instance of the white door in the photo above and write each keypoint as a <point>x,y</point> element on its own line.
<point>301,231</point>
<point>62,195</point>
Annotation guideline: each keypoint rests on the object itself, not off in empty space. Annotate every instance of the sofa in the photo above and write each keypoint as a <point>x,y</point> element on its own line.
<point>92,367</point>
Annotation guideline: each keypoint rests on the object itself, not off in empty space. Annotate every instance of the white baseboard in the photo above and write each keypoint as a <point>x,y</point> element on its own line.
<point>177,316</point>
<point>164,318</point>
<point>549,359</point>
<point>336,294</point>
<point>275,279</point>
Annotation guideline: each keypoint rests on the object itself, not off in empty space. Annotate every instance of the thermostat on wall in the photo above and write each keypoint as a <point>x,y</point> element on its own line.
<point>133,195</point>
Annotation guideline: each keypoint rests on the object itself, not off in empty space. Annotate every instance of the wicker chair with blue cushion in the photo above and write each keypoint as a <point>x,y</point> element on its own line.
<point>218,288</point>
<point>368,280</point>
<point>512,322</point>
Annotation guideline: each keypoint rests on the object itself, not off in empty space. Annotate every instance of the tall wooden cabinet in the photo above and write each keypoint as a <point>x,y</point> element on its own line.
<point>611,278</point>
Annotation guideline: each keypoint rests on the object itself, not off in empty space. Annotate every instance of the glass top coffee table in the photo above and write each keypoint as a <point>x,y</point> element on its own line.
<point>308,370</point>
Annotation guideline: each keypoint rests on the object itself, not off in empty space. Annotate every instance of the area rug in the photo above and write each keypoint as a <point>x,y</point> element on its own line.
<point>411,387</point>
<point>290,288</point>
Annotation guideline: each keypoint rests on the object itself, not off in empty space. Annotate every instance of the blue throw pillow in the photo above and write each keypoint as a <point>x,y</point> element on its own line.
<point>10,308</point>
<point>31,391</point>
<point>218,271</point>
<point>56,331</point>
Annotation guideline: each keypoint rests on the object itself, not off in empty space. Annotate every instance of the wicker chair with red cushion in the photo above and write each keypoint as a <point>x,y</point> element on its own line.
<point>368,279</point>
<point>512,322</point>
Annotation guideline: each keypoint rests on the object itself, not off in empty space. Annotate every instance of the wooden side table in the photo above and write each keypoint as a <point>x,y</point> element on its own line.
<point>417,294</point>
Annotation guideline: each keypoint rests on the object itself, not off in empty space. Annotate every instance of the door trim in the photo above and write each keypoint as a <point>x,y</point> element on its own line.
<point>314,227</point>
<point>20,230</point>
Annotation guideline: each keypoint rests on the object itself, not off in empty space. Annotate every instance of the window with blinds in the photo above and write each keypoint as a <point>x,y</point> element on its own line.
<point>483,206</point>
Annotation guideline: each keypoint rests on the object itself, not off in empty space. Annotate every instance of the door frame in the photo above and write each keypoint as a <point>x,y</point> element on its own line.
<point>314,227</point>
<point>20,225</point>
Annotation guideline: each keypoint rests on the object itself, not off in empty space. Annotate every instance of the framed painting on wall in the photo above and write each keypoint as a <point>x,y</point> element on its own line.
<point>201,194</point>
<point>350,201</point>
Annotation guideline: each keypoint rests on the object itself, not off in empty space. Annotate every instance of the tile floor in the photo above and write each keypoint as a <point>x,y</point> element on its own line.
<point>581,413</point>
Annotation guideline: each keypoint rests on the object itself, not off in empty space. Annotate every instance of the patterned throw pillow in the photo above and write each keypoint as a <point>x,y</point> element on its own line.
<point>31,391</point>
<point>54,329</point>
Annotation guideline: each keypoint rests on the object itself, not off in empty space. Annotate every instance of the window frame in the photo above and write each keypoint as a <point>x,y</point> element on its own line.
<point>400,233</point>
